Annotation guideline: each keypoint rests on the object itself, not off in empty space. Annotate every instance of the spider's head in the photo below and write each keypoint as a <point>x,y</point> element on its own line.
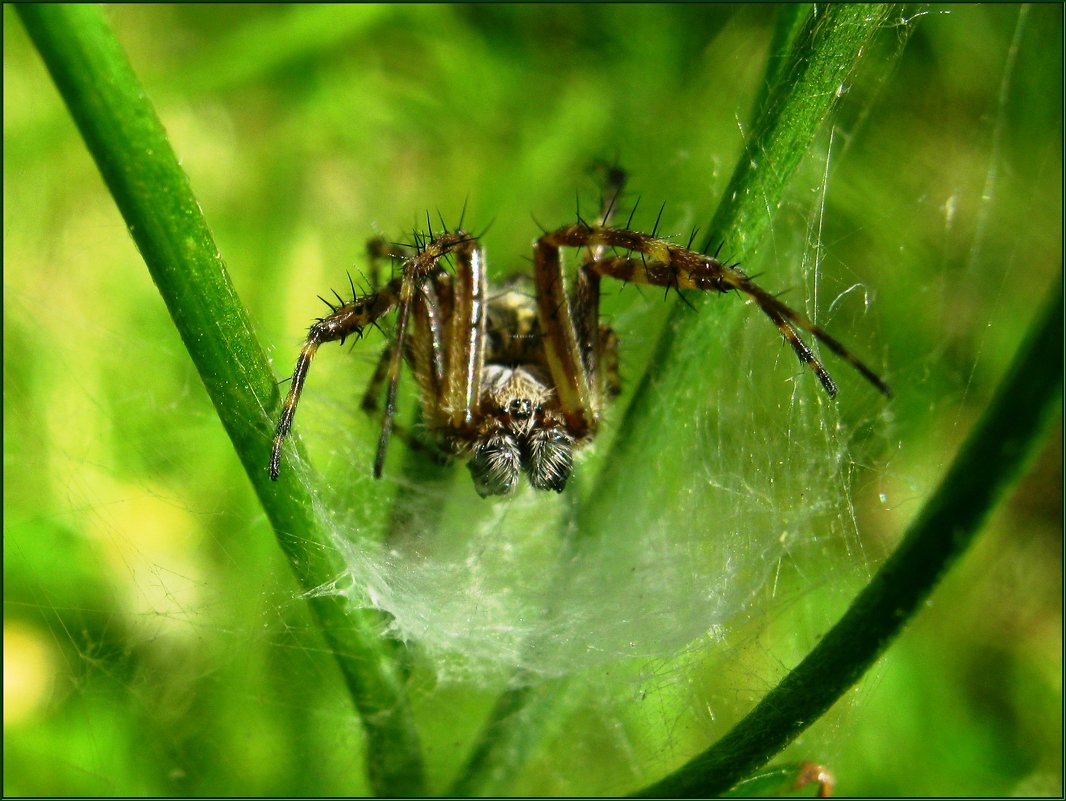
<point>519,432</point>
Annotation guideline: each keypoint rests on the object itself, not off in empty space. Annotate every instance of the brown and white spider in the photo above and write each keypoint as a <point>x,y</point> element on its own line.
<point>515,382</point>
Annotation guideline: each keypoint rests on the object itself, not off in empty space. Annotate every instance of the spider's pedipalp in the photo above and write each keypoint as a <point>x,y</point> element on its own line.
<point>550,459</point>
<point>495,465</point>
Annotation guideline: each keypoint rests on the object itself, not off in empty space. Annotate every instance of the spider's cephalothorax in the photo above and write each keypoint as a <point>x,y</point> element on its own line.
<point>515,382</point>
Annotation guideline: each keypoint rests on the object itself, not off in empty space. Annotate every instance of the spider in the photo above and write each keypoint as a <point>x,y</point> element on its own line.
<point>517,381</point>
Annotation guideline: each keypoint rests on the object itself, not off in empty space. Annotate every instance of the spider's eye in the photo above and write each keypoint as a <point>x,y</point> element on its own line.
<point>520,408</point>
<point>495,466</point>
<point>551,459</point>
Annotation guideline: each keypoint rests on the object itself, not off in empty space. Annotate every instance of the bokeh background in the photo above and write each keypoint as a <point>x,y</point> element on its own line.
<point>154,642</point>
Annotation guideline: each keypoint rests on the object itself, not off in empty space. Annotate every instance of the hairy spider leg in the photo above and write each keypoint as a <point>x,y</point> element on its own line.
<point>431,312</point>
<point>428,365</point>
<point>377,380</point>
<point>370,405</point>
<point>562,351</point>
<point>659,273</point>
<point>782,315</point>
<point>425,348</point>
<point>592,335</point>
<point>352,317</point>
<point>407,286</point>
<point>461,382</point>
<point>666,264</point>
<point>427,319</point>
<point>378,249</point>
<point>465,335</point>
<point>349,319</point>
<point>573,335</point>
<point>608,358</point>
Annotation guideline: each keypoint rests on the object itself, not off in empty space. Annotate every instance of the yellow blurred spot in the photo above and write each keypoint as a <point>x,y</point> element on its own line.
<point>150,543</point>
<point>29,669</point>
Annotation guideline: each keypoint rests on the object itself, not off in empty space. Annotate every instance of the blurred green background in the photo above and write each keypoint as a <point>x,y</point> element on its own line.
<point>153,640</point>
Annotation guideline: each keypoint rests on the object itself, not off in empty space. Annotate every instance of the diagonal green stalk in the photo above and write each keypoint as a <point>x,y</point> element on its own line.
<point>990,459</point>
<point>827,44</point>
<point>134,156</point>
<point>789,24</point>
<point>802,93</point>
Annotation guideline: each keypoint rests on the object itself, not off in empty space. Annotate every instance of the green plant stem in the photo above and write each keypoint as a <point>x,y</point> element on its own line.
<point>803,92</point>
<point>511,734</point>
<point>825,50</point>
<point>990,459</point>
<point>138,165</point>
<point>789,24</point>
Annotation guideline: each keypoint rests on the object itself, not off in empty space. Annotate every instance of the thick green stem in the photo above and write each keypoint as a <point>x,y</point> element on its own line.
<point>138,164</point>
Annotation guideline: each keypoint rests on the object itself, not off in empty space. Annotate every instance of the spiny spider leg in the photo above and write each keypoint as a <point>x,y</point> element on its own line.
<point>427,318</point>
<point>430,317</point>
<point>664,263</point>
<point>570,328</point>
<point>465,335</point>
<point>723,278</point>
<point>377,382</point>
<point>416,272</point>
<point>656,272</point>
<point>562,352</point>
<point>350,319</point>
<point>771,306</point>
<point>407,289</point>
<point>428,353</point>
<point>378,249</point>
<point>586,292</point>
